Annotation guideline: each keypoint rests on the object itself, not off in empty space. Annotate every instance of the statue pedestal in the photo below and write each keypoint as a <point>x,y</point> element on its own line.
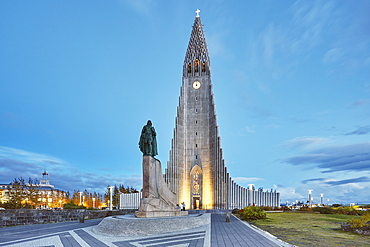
<point>155,214</point>
<point>158,200</point>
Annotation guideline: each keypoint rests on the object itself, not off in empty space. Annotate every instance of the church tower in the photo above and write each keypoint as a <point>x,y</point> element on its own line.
<point>196,169</point>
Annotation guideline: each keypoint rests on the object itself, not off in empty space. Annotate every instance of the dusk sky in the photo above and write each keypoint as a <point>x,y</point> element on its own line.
<point>291,79</point>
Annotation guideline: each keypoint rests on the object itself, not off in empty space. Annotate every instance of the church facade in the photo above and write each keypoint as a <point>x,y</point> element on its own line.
<point>196,169</point>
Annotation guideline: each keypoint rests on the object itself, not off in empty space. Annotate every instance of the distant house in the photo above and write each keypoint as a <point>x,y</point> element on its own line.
<point>47,197</point>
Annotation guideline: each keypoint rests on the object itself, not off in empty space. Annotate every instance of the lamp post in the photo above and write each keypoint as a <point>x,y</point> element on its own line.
<point>309,197</point>
<point>328,202</point>
<point>80,196</point>
<point>93,202</point>
<point>322,199</point>
<point>111,195</point>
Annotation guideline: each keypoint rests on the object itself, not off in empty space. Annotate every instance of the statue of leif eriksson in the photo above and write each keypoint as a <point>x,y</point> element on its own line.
<point>148,140</point>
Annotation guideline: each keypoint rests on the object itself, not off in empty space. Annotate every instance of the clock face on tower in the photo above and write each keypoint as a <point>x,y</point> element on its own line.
<point>196,84</point>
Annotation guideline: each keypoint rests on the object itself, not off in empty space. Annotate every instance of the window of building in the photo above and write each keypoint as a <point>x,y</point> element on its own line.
<point>204,67</point>
<point>196,133</point>
<point>196,145</point>
<point>196,183</point>
<point>189,68</point>
<point>196,98</point>
<point>196,110</point>
<point>196,121</point>
<point>196,65</point>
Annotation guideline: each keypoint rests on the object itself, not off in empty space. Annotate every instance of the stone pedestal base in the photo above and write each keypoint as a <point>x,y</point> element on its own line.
<point>153,214</point>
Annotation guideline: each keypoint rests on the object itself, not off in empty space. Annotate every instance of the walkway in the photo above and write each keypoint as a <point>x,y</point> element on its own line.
<point>73,234</point>
<point>237,233</point>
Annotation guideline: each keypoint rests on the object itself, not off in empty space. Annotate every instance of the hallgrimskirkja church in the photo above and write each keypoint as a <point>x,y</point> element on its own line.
<point>196,169</point>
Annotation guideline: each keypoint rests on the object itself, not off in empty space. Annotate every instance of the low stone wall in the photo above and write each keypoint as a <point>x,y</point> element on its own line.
<point>16,217</point>
<point>129,225</point>
<point>361,230</point>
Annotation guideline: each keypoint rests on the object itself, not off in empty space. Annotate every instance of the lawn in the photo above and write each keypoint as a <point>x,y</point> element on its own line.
<point>304,229</point>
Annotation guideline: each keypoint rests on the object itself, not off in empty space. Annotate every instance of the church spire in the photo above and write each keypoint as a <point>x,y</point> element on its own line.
<point>197,58</point>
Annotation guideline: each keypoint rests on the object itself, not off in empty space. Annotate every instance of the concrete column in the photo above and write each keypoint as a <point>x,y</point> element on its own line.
<point>251,196</point>
<point>309,197</point>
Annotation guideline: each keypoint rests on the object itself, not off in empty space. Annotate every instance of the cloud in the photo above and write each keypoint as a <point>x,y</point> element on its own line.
<point>333,55</point>
<point>313,180</point>
<point>360,131</point>
<point>288,194</point>
<point>16,163</point>
<point>358,103</point>
<point>355,157</point>
<point>244,180</point>
<point>349,181</point>
<point>141,6</point>
<point>303,142</point>
<point>246,131</point>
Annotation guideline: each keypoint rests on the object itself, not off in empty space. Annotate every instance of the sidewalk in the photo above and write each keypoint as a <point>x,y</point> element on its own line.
<point>238,233</point>
<point>217,234</point>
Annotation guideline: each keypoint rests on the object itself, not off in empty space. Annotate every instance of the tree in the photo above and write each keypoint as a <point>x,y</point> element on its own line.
<point>33,189</point>
<point>107,196</point>
<point>17,193</point>
<point>67,197</point>
<point>115,197</point>
<point>133,190</point>
<point>76,196</point>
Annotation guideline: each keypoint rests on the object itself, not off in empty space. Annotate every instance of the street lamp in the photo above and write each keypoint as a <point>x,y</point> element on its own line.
<point>309,196</point>
<point>80,196</point>
<point>322,199</point>
<point>111,195</point>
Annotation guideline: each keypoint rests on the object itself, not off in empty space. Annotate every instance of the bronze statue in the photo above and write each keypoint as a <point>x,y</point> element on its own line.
<point>148,140</point>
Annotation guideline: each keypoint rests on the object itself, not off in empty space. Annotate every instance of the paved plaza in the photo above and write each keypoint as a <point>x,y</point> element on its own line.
<point>218,233</point>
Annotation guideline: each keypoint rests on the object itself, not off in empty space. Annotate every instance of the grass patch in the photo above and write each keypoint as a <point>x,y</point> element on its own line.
<point>311,229</point>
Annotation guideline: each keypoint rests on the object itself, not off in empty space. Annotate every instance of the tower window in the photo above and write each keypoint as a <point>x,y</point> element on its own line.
<point>196,145</point>
<point>196,110</point>
<point>196,98</point>
<point>196,121</point>
<point>189,68</point>
<point>196,157</point>
<point>196,65</point>
<point>204,67</point>
<point>196,133</point>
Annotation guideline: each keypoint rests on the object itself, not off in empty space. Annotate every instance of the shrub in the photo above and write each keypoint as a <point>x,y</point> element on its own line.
<point>305,209</point>
<point>340,211</point>
<point>253,213</point>
<point>324,210</point>
<point>361,222</point>
<point>267,208</point>
<point>235,211</point>
<point>72,205</point>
